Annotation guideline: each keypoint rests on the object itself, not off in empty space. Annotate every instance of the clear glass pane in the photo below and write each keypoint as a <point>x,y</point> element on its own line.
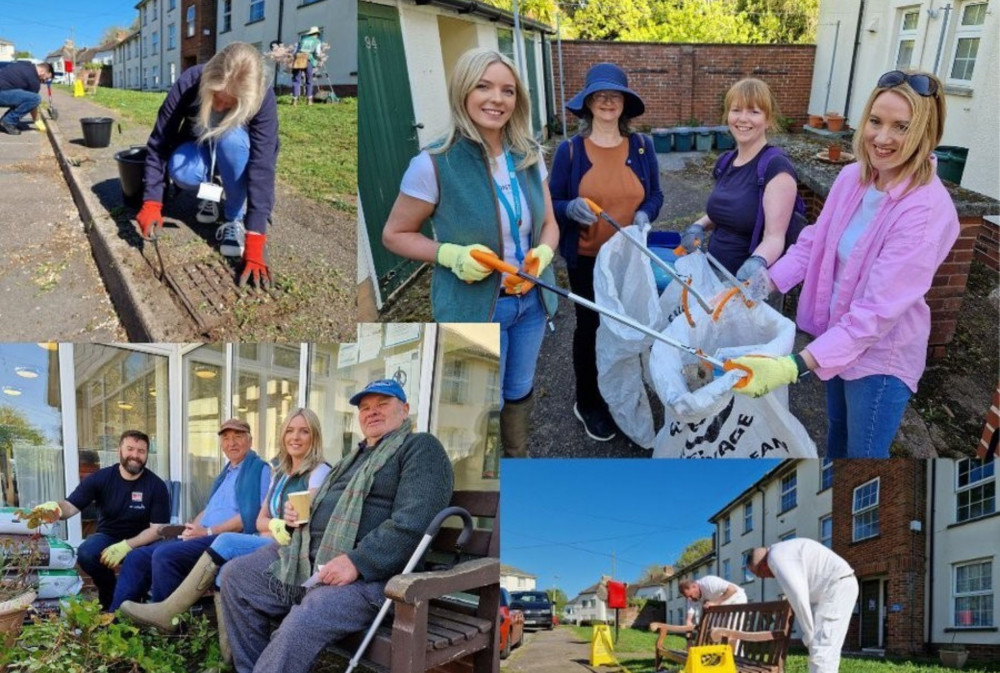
<point>264,395</point>
<point>910,20</point>
<point>31,457</point>
<point>974,15</point>
<point>204,376</point>
<point>905,55</point>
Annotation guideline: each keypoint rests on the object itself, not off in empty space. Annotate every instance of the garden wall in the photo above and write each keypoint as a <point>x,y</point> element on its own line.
<point>679,82</point>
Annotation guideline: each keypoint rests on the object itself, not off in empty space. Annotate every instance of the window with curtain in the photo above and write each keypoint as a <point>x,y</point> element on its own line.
<point>204,377</point>
<point>973,594</point>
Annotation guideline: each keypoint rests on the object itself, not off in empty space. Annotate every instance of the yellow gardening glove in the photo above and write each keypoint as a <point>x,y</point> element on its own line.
<point>764,373</point>
<point>113,556</point>
<point>40,124</point>
<point>534,263</point>
<point>278,530</point>
<point>48,507</point>
<point>458,258</point>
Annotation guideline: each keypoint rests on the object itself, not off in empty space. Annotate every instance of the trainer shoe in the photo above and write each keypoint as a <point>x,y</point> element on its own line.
<point>232,237</point>
<point>10,129</point>
<point>208,211</point>
<point>597,425</point>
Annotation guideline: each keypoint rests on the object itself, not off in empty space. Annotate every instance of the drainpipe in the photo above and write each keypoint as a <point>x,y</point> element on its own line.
<point>281,16</point>
<point>833,63</point>
<point>944,29</point>
<point>763,528</point>
<point>931,527</point>
<point>854,60</point>
<point>562,75</point>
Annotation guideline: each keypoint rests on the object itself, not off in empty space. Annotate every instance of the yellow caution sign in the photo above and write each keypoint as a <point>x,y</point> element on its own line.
<point>78,91</point>
<point>710,659</point>
<point>601,646</point>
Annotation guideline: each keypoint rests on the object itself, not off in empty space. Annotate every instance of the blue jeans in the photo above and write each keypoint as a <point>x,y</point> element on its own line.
<point>864,415</point>
<point>297,80</point>
<point>162,565</point>
<point>20,102</point>
<point>522,327</point>
<point>190,163</point>
<point>230,545</point>
<point>88,555</point>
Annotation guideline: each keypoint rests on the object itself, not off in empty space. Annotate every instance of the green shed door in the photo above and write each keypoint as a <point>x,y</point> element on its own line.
<point>387,136</point>
<point>532,83</point>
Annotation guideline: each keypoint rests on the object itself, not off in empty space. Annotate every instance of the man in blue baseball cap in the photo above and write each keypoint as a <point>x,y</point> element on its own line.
<point>364,524</point>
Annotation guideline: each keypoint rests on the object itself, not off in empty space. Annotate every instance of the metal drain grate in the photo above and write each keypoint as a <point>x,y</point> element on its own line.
<point>209,293</point>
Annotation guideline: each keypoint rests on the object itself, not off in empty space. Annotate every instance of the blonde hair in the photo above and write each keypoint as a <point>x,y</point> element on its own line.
<point>926,127</point>
<point>751,92</point>
<point>516,132</point>
<point>315,454</point>
<point>238,71</point>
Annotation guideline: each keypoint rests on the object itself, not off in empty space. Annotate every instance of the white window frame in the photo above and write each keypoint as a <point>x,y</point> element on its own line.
<point>857,512</point>
<point>906,35</point>
<point>227,15</point>
<point>980,483</point>
<point>974,32</point>
<point>825,471</point>
<point>251,10</point>
<point>955,594</point>
<point>788,490</point>
<point>745,566</point>
<point>172,36</point>
<point>189,19</point>
<point>790,535</point>
<point>747,517</point>
<point>727,532</point>
<point>726,571</point>
<point>824,540</point>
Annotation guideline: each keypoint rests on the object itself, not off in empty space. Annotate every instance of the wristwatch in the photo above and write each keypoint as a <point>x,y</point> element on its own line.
<point>208,530</point>
<point>801,366</point>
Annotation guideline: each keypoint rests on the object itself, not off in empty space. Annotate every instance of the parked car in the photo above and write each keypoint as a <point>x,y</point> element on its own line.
<point>536,606</point>
<point>59,78</point>
<point>511,625</point>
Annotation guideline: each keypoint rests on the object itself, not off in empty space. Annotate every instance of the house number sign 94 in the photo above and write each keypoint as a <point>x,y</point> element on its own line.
<point>371,42</point>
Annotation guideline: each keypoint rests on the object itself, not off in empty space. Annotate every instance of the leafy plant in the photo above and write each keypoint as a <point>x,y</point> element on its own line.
<point>85,639</point>
<point>18,558</point>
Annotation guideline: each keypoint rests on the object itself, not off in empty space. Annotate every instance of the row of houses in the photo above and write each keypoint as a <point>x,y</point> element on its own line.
<point>922,536</point>
<point>173,35</point>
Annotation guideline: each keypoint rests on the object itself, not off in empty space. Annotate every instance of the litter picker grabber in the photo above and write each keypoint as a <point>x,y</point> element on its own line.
<point>728,276</point>
<point>53,112</point>
<point>494,262</point>
<point>649,253</point>
<point>418,553</point>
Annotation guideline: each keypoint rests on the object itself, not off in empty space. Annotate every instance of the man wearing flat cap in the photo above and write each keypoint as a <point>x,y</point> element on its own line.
<point>235,499</point>
<point>822,589</point>
<point>365,522</point>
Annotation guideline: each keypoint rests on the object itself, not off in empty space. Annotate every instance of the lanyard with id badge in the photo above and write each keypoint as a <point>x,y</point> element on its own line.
<point>209,191</point>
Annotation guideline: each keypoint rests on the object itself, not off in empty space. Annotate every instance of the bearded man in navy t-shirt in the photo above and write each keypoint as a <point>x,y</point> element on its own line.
<point>133,503</point>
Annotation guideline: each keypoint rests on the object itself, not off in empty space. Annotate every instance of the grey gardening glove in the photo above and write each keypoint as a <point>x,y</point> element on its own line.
<point>578,210</point>
<point>758,287</point>
<point>693,237</point>
<point>750,268</point>
<point>641,219</point>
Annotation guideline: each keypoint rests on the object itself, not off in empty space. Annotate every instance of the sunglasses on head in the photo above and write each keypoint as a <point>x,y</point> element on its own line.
<point>922,84</point>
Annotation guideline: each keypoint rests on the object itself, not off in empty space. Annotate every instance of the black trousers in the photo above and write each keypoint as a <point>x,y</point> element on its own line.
<point>581,282</point>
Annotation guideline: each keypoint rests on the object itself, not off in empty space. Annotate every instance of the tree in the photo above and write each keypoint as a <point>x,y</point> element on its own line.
<point>694,551</point>
<point>783,21</point>
<point>558,598</point>
<point>114,34</point>
<point>609,19</point>
<point>22,54</point>
<point>653,573</point>
<point>13,427</point>
<point>539,10</point>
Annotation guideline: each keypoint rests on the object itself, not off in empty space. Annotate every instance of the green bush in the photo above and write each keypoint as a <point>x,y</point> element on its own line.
<point>85,640</point>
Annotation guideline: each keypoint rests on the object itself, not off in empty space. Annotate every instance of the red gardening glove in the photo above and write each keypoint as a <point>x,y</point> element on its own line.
<point>149,218</point>
<point>254,261</point>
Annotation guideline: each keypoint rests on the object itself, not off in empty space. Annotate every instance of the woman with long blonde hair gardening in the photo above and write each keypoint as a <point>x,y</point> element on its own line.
<point>220,116</point>
<point>484,187</point>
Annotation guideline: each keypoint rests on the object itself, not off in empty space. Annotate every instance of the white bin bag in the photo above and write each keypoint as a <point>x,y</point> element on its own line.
<point>710,420</point>
<point>624,282</point>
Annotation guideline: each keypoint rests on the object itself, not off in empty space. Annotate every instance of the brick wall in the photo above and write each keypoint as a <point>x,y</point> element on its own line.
<point>945,295</point>
<point>988,245</point>
<point>680,81</point>
<point>897,553</point>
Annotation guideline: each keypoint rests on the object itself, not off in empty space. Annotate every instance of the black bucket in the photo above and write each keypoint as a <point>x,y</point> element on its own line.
<point>96,131</point>
<point>131,169</point>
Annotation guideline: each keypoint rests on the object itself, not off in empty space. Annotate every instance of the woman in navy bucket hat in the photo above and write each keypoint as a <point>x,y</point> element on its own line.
<point>616,168</point>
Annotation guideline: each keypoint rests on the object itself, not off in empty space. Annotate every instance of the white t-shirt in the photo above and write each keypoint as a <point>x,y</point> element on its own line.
<point>420,182</point>
<point>712,588</point>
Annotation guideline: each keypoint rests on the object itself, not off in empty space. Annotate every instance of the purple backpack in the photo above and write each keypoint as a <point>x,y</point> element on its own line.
<point>798,221</point>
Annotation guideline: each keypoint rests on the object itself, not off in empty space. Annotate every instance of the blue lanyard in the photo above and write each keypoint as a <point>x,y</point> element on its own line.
<point>513,213</point>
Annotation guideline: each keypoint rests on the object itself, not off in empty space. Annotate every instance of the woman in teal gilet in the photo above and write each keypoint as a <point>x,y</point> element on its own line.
<point>299,466</point>
<point>484,186</point>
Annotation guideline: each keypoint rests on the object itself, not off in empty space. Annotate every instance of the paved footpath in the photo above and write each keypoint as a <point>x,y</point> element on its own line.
<point>555,651</point>
<point>50,288</point>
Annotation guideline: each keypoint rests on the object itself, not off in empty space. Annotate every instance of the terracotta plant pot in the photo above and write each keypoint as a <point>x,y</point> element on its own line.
<point>833,151</point>
<point>834,122</point>
<point>816,121</point>
<point>12,617</point>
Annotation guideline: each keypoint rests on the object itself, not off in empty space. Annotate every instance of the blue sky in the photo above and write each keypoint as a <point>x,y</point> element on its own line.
<point>42,28</point>
<point>569,521</point>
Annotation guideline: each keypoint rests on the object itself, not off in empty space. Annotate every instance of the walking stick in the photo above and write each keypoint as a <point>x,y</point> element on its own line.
<point>494,262</point>
<point>418,553</point>
<point>649,253</point>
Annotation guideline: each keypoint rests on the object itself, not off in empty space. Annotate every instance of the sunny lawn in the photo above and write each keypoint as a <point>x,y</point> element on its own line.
<point>319,143</point>
<point>634,650</point>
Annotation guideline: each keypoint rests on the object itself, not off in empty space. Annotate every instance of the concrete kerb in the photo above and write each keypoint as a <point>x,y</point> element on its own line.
<point>144,306</point>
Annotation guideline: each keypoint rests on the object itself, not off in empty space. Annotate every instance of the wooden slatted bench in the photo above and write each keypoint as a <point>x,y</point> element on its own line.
<point>442,616</point>
<point>769,623</point>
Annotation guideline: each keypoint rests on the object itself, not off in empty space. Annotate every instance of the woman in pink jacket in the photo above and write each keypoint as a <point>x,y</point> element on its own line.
<point>865,267</point>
